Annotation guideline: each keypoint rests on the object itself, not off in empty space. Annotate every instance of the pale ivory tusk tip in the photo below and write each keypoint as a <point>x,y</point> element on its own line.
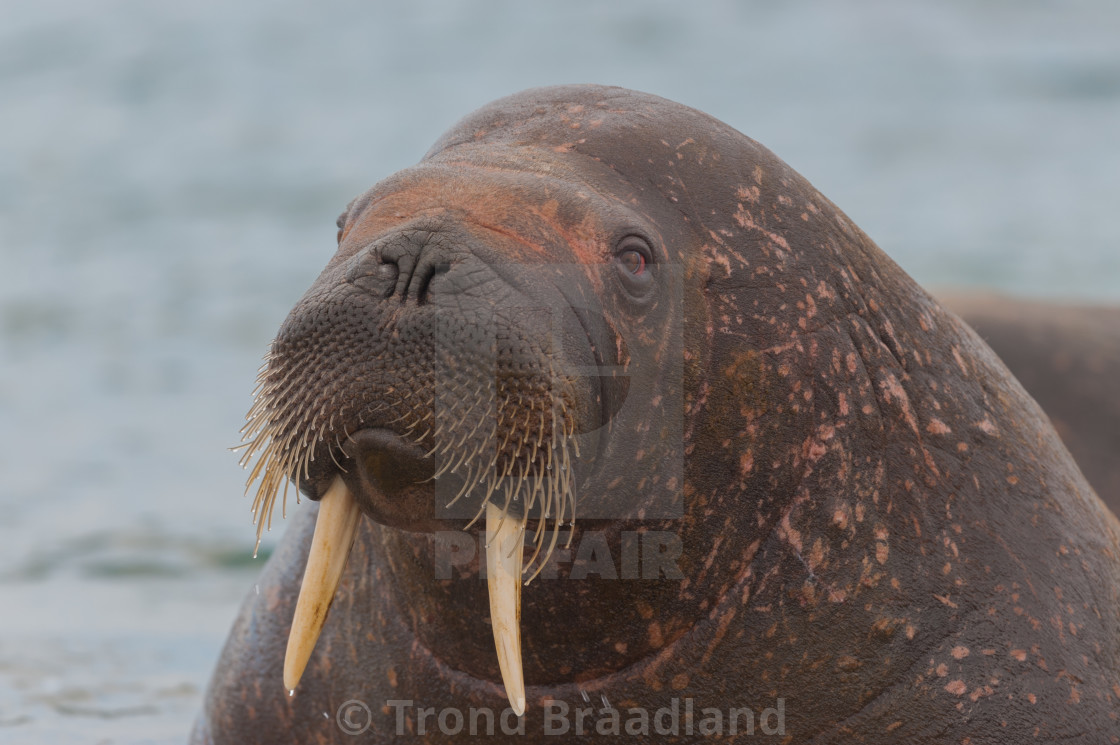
<point>518,705</point>
<point>335,529</point>
<point>503,571</point>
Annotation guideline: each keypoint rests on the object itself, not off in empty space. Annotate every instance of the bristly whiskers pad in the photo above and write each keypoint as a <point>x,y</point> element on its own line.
<point>493,435</point>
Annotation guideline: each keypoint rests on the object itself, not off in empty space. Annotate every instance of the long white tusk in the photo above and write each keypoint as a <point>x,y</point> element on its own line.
<point>504,534</point>
<point>335,529</point>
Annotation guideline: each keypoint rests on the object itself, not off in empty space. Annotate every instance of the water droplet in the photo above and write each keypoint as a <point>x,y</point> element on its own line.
<point>292,692</point>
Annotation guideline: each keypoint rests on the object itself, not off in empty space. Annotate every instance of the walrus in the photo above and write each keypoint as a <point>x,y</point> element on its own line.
<point>727,470</point>
<point>1067,356</point>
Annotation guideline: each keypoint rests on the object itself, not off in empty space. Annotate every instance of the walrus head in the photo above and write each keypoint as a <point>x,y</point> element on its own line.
<point>496,336</point>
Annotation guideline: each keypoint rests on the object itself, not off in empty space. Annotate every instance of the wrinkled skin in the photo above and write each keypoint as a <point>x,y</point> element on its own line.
<point>879,526</point>
<point>1068,359</point>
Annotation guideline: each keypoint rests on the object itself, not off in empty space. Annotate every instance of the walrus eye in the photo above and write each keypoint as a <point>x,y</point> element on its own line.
<point>634,259</point>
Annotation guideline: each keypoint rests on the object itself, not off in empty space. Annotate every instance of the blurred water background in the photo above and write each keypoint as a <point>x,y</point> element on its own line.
<point>169,177</point>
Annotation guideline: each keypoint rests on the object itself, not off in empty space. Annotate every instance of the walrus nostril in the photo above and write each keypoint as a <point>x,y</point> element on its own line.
<point>426,269</point>
<point>417,255</point>
<point>402,264</point>
<point>374,275</point>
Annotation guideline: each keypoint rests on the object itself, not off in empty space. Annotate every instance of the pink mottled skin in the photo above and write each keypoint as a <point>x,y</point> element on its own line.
<point>879,526</point>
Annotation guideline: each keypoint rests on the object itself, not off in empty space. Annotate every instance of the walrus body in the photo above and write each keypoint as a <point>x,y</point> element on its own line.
<point>1068,359</point>
<point>874,535</point>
